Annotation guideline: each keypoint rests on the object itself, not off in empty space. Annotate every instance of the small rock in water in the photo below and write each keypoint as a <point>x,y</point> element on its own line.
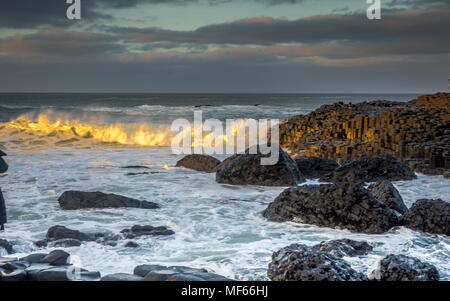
<point>56,257</point>
<point>176,273</point>
<point>72,200</point>
<point>138,230</point>
<point>344,247</point>
<point>432,216</point>
<point>315,167</point>
<point>301,263</point>
<point>404,268</point>
<point>203,163</point>
<point>7,246</point>
<point>121,277</point>
<point>131,244</point>
<point>386,193</point>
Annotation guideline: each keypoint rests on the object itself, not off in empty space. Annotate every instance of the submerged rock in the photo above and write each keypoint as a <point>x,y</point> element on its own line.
<point>137,231</point>
<point>432,216</point>
<point>72,200</point>
<point>301,263</point>
<point>333,205</point>
<point>386,193</point>
<point>246,169</point>
<point>176,273</point>
<point>344,247</point>
<point>370,169</point>
<point>7,246</point>
<point>315,167</point>
<point>199,162</point>
<point>404,268</point>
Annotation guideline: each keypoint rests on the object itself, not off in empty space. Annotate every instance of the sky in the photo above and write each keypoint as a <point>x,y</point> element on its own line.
<point>225,46</point>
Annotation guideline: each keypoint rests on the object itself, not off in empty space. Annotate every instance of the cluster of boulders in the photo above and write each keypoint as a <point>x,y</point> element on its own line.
<point>416,132</point>
<point>324,262</point>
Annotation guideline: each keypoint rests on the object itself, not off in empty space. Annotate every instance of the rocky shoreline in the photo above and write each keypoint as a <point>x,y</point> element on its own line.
<point>375,144</point>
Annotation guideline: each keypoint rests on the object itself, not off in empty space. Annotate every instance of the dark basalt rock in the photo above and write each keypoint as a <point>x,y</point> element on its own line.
<point>16,275</point>
<point>370,169</point>
<point>3,216</point>
<point>432,216</point>
<point>344,247</point>
<point>65,243</point>
<point>61,232</point>
<point>56,258</point>
<point>121,277</point>
<point>34,258</point>
<point>72,200</point>
<point>131,244</point>
<point>333,205</point>
<point>3,164</point>
<point>60,273</point>
<point>246,169</point>
<point>176,273</point>
<point>404,268</point>
<point>301,263</point>
<point>315,167</point>
<point>4,244</point>
<point>138,230</point>
<point>199,162</point>
<point>60,236</point>
<point>386,193</point>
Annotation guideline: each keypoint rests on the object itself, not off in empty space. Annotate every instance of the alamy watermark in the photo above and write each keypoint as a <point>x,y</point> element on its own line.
<point>236,136</point>
<point>374,10</point>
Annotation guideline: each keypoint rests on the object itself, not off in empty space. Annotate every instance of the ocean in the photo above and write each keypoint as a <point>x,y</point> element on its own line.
<point>60,142</point>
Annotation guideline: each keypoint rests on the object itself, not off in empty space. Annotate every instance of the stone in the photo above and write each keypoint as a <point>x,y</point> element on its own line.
<point>203,163</point>
<point>315,167</point>
<point>17,275</point>
<point>34,258</point>
<point>3,164</point>
<point>138,230</point>
<point>386,193</point>
<point>370,169</point>
<point>431,216</point>
<point>344,247</point>
<point>131,244</point>
<point>3,216</point>
<point>301,263</point>
<point>4,244</point>
<point>339,206</point>
<point>61,273</point>
<point>56,258</point>
<point>246,169</point>
<point>404,268</point>
<point>121,277</point>
<point>73,200</point>
<point>176,273</point>
<point>66,243</point>
<point>61,232</point>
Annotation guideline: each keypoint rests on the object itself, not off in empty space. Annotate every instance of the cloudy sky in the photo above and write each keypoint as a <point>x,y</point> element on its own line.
<point>224,46</point>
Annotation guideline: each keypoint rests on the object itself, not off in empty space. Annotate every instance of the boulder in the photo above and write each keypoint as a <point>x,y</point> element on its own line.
<point>60,273</point>
<point>432,216</point>
<point>344,247</point>
<point>34,258</point>
<point>199,162</point>
<point>339,206</point>
<point>60,232</point>
<point>131,244</point>
<point>176,273</point>
<point>7,246</point>
<point>56,258</point>
<point>121,277</point>
<point>246,169</point>
<point>17,275</point>
<point>137,231</point>
<point>404,268</point>
<point>3,217</point>
<point>370,169</point>
<point>3,164</point>
<point>301,263</point>
<point>72,200</point>
<point>386,193</point>
<point>315,167</point>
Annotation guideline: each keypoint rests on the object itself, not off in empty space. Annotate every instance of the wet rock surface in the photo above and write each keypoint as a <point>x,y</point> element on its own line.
<point>147,230</point>
<point>344,247</point>
<point>333,205</point>
<point>315,167</point>
<point>246,169</point>
<point>121,277</point>
<point>73,200</point>
<point>432,216</point>
<point>176,273</point>
<point>203,163</point>
<point>386,193</point>
<point>370,169</point>
<point>3,164</point>
<point>404,268</point>
<point>417,132</point>
<point>7,246</point>
<point>301,263</point>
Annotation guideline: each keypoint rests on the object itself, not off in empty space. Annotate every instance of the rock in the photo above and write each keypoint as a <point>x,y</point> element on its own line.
<point>3,164</point>
<point>246,169</point>
<point>60,232</point>
<point>315,167</point>
<point>131,244</point>
<point>346,206</point>
<point>60,273</point>
<point>17,275</point>
<point>56,258</point>
<point>121,277</point>
<point>432,216</point>
<point>344,247</point>
<point>199,162</point>
<point>404,268</point>
<point>13,265</point>
<point>3,216</point>
<point>72,200</point>
<point>176,273</point>
<point>66,243</point>
<point>137,231</point>
<point>34,258</point>
<point>370,169</point>
<point>386,193</point>
<point>4,244</point>
<point>301,263</point>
